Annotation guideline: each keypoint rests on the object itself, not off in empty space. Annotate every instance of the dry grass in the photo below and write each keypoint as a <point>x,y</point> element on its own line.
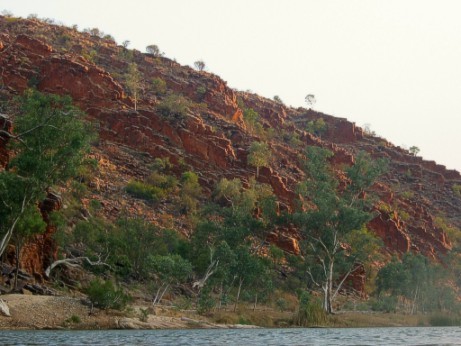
<point>371,319</point>
<point>263,317</point>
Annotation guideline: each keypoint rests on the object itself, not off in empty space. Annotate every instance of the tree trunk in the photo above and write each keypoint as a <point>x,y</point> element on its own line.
<point>15,286</point>
<point>238,294</point>
<point>256,302</point>
<point>328,289</point>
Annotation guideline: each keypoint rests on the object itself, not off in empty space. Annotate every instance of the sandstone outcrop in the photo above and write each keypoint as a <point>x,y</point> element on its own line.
<point>211,138</point>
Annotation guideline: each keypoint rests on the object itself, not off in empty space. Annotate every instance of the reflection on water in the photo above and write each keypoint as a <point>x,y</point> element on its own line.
<point>266,337</point>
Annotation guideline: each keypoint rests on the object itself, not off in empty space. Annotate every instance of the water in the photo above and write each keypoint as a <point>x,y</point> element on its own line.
<point>266,337</point>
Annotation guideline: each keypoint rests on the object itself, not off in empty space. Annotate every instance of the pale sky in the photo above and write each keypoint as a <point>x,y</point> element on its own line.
<point>393,64</point>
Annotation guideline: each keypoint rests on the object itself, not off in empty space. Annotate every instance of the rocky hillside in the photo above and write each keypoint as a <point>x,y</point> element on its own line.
<point>418,200</point>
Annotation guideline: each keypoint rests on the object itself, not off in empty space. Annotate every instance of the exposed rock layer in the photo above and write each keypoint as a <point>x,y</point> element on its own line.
<point>212,138</point>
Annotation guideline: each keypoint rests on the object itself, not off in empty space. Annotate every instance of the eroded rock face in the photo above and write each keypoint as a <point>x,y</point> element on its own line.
<point>87,84</point>
<point>213,140</point>
<point>389,229</point>
<point>40,252</point>
<point>285,239</point>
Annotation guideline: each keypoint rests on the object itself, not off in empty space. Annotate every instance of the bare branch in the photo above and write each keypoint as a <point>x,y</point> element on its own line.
<point>353,269</point>
<point>75,262</point>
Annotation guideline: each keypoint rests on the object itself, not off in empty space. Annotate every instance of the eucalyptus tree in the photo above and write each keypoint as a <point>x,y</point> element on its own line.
<point>49,140</point>
<point>333,215</point>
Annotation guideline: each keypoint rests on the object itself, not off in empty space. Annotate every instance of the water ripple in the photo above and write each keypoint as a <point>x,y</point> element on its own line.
<point>263,337</point>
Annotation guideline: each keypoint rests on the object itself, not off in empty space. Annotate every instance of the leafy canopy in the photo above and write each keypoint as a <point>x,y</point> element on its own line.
<point>49,141</point>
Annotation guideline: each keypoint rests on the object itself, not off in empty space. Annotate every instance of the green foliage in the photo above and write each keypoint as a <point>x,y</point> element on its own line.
<point>162,165</point>
<point>332,216</point>
<point>422,283</point>
<point>154,50</point>
<point>456,188</point>
<point>407,194</point>
<point>444,320</point>
<point>167,183</point>
<point>259,155</point>
<point>135,240</point>
<point>159,86</point>
<point>94,32</point>
<point>105,295</point>
<point>205,302</point>
<point>310,311</point>
<point>201,91</point>
<point>385,304</point>
<point>252,121</point>
<point>90,55</point>
<point>414,150</point>
<point>277,99</point>
<point>144,191</point>
<point>190,192</point>
<point>144,314</point>
<point>230,233</point>
<point>174,106</point>
<point>317,127</point>
<point>133,82</point>
<point>131,242</point>
<point>281,304</point>
<point>74,319</point>
<point>170,268</point>
<point>51,140</point>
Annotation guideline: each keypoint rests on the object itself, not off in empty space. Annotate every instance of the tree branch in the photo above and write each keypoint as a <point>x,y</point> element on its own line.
<point>75,262</point>
<point>353,269</point>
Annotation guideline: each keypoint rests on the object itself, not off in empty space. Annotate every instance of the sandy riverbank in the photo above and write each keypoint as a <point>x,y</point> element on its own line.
<point>57,312</point>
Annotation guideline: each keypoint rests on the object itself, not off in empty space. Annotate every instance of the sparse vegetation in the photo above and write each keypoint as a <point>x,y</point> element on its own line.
<point>159,86</point>
<point>317,127</point>
<point>105,295</point>
<point>199,65</point>
<point>174,106</point>
<point>278,99</point>
<point>144,191</point>
<point>154,50</point>
<point>310,100</point>
<point>133,82</point>
<point>259,155</point>
<point>414,150</point>
<point>207,235</point>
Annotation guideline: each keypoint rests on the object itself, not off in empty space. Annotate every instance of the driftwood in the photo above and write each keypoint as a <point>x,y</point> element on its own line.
<point>4,309</point>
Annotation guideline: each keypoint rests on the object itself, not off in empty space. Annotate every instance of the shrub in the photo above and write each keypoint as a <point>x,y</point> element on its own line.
<point>385,304</point>
<point>144,191</point>
<point>442,320</point>
<point>201,91</point>
<point>158,86</point>
<point>317,127</point>
<point>310,311</point>
<point>104,295</point>
<point>162,181</point>
<point>281,304</point>
<point>199,65</point>
<point>154,50</point>
<point>74,319</point>
<point>174,105</point>
<point>407,194</point>
<point>205,302</point>
<point>144,314</point>
<point>278,99</point>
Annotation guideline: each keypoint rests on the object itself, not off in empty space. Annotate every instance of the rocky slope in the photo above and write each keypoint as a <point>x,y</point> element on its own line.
<point>212,138</point>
